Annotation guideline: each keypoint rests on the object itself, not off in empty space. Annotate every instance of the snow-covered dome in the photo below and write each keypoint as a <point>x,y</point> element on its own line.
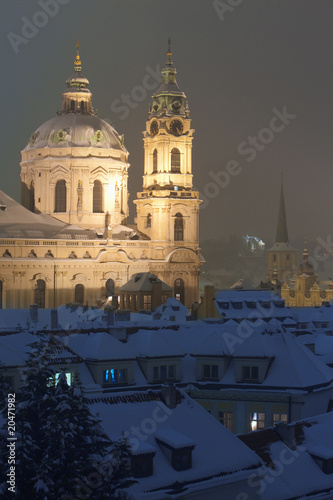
<point>75,130</point>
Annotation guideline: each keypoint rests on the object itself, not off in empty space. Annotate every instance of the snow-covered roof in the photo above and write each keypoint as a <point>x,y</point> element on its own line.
<point>18,222</point>
<point>238,304</point>
<point>97,346</point>
<point>172,308</point>
<point>217,451</point>
<point>154,344</point>
<point>293,472</point>
<point>14,350</point>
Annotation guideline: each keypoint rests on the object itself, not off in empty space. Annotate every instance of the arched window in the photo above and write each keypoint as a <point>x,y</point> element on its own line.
<point>97,197</point>
<point>1,292</point>
<point>148,220</point>
<point>72,105</point>
<point>60,196</point>
<point>40,294</point>
<point>79,294</point>
<point>179,290</point>
<point>175,160</point>
<point>82,105</point>
<point>155,156</point>
<point>109,288</point>
<point>179,227</point>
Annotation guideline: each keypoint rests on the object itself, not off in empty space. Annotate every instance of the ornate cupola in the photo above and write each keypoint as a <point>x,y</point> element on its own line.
<point>77,97</point>
<point>169,100</point>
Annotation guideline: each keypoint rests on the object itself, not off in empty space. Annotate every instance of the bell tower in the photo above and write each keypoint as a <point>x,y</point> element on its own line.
<point>167,207</point>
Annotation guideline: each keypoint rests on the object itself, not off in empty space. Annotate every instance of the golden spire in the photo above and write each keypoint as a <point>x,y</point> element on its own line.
<point>169,53</point>
<point>77,62</point>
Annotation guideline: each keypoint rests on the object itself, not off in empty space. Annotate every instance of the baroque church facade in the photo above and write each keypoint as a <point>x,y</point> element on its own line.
<point>70,242</point>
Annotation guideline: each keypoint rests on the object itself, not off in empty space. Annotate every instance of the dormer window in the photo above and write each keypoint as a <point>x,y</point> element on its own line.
<point>237,305</point>
<point>176,447</point>
<point>250,373</point>
<point>251,304</point>
<point>323,457</point>
<point>164,372</point>
<point>142,464</point>
<point>115,376</point>
<point>210,372</point>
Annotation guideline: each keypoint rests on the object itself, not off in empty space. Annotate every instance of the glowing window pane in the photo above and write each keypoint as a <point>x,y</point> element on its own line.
<point>113,373</point>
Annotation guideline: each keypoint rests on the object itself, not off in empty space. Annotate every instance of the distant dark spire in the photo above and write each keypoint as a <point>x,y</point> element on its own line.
<point>282,229</point>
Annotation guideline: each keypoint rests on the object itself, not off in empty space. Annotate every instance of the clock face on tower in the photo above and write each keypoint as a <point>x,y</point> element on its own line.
<point>176,127</point>
<point>153,127</point>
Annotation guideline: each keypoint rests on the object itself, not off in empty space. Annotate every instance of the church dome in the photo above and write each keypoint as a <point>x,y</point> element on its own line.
<point>306,268</point>
<point>75,130</point>
<point>76,125</point>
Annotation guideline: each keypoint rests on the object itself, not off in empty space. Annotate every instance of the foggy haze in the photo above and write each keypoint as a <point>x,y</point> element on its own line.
<point>241,70</point>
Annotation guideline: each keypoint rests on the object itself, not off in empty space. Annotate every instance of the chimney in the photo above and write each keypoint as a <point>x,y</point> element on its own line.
<point>34,312</point>
<point>54,319</point>
<point>169,395</point>
<point>156,294</point>
<point>109,317</point>
<point>286,432</point>
<point>209,294</point>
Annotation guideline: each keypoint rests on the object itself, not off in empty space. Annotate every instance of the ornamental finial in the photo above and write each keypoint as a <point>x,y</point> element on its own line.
<point>77,62</point>
<point>169,53</point>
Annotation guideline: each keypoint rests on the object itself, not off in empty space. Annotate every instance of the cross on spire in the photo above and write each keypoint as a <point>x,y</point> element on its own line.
<point>77,62</point>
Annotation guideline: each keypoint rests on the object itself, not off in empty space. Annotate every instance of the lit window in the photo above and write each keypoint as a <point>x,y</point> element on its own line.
<point>68,378</point>
<point>55,379</point>
<point>115,376</point>
<point>279,417</point>
<point>257,421</point>
<point>227,419</point>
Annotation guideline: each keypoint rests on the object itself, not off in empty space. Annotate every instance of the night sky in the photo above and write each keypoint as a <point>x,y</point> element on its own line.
<point>235,67</point>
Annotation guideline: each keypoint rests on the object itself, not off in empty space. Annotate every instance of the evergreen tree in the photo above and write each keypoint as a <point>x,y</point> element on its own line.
<point>62,451</point>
